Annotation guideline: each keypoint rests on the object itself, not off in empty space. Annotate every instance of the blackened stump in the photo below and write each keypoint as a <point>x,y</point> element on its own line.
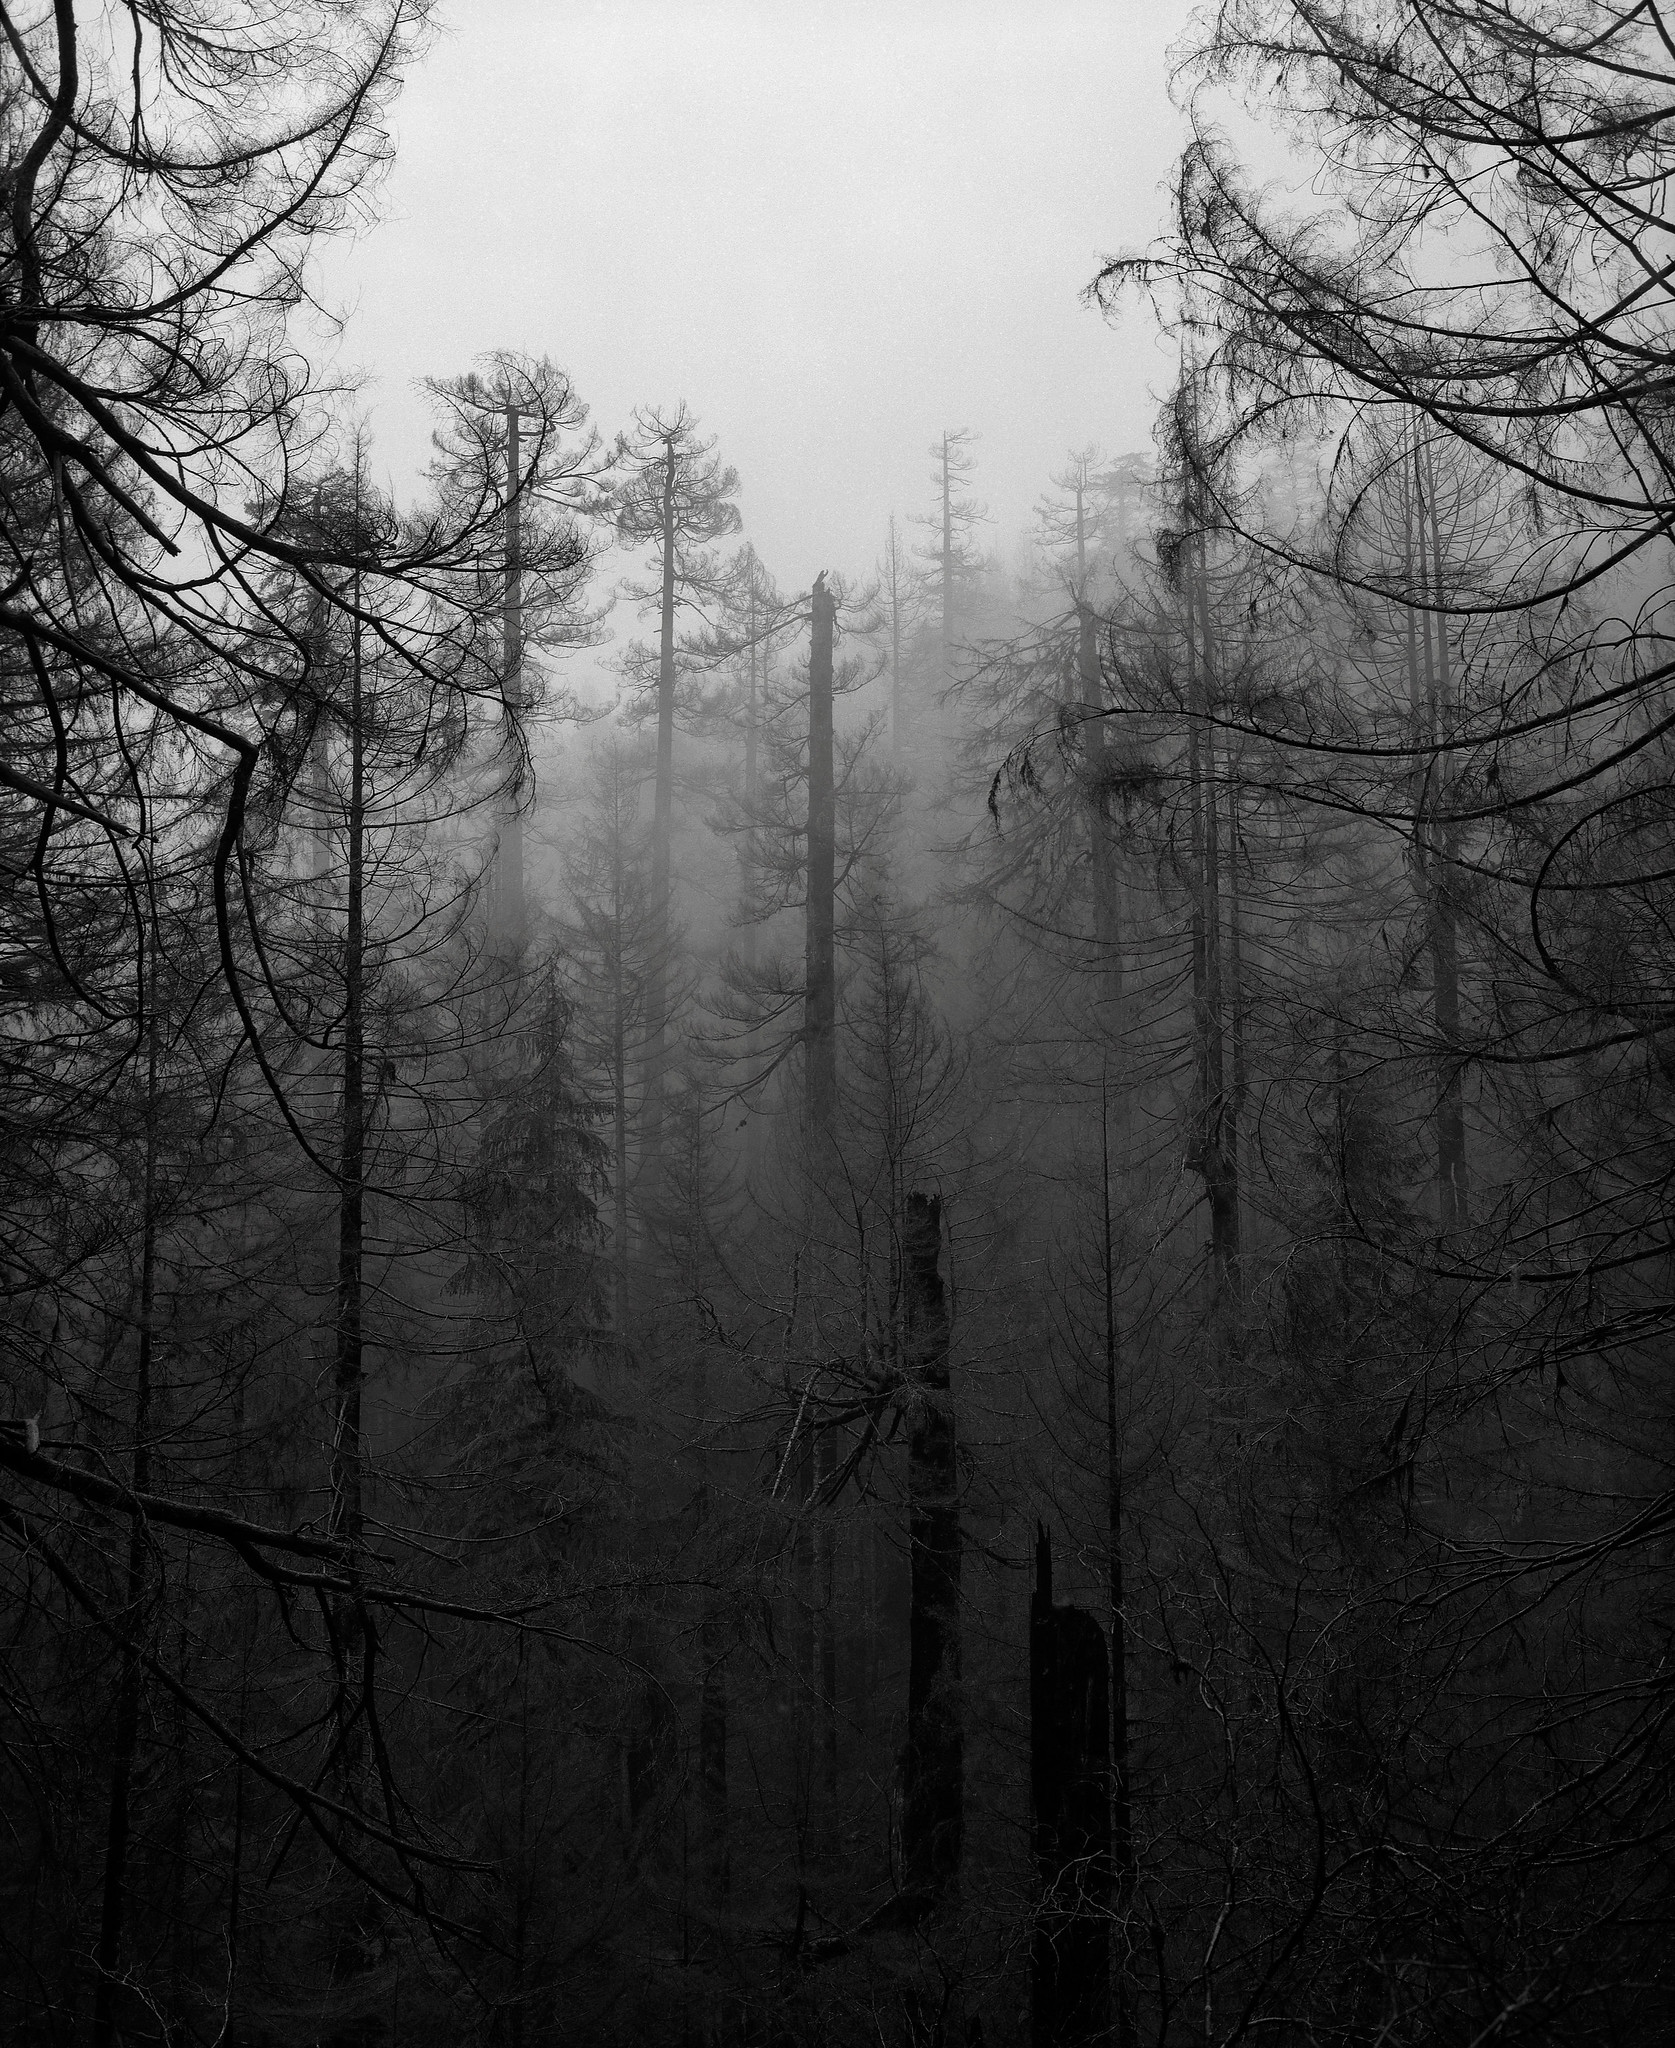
<point>1070,1791</point>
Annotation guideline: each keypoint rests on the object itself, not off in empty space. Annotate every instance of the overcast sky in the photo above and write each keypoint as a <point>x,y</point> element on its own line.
<point>833,227</point>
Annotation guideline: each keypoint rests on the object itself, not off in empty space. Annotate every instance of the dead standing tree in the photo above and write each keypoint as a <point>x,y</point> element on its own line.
<point>951,560</point>
<point>515,452</point>
<point>897,590</point>
<point>677,500</point>
<point>820,1103</point>
<point>1085,530</point>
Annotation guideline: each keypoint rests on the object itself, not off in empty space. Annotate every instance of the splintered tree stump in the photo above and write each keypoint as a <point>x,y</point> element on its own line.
<point>1070,1788</point>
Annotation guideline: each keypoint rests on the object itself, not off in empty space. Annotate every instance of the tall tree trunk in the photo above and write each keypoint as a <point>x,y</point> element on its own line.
<point>933,1793</point>
<point>804,1641</point>
<point>1107,932</point>
<point>662,825</point>
<point>947,568</point>
<point>1196,894</point>
<point>820,1001</point>
<point>1220,1181</point>
<point>522,1879</point>
<point>1122,1814</point>
<point>317,781</point>
<point>181,1804</point>
<point>712,1629</point>
<point>1445,963</point>
<point>826,1561</point>
<point>712,1753</point>
<point>108,1958</point>
<point>250,1622</point>
<point>1235,992</point>
<point>508,890</point>
<point>619,1075</point>
<point>752,747</point>
<point>893,561</point>
<point>820,1070</point>
<point>346,1467</point>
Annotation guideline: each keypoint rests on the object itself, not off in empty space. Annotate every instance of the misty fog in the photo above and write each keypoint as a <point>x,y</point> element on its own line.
<point>837,1024</point>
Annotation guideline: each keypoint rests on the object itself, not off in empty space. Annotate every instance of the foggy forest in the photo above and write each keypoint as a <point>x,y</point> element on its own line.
<point>924,1306</point>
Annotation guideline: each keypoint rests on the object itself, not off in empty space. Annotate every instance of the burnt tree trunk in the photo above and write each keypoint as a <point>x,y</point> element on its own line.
<point>714,1632</point>
<point>507,891</point>
<point>1429,695</point>
<point>1444,936</point>
<point>712,1754</point>
<point>118,1817</point>
<point>662,827</point>
<point>1122,1812</point>
<point>346,1506</point>
<point>1070,1796</point>
<point>820,1000</point>
<point>619,1086</point>
<point>1221,1176</point>
<point>933,1793</point>
<point>752,782</point>
<point>1101,841</point>
<point>345,1515</point>
<point>947,569</point>
<point>820,1054</point>
<point>893,571</point>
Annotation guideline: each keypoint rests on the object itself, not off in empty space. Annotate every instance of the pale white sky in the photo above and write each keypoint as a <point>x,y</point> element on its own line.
<point>832,226</point>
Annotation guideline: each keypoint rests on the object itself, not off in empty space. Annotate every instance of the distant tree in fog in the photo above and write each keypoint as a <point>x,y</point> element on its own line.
<point>950,554</point>
<point>674,498</point>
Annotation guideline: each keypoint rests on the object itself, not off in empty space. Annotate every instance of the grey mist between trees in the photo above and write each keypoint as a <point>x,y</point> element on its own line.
<point>837,1065</point>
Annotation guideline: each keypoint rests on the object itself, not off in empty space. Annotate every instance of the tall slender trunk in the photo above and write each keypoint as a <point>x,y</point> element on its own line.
<point>1195,863</point>
<point>820,1001</point>
<point>126,1735</point>
<point>752,745</point>
<point>1235,991</point>
<point>317,780</point>
<point>521,1879</point>
<point>712,1713</point>
<point>182,1803</point>
<point>712,1755</point>
<point>826,1563</point>
<point>896,734</point>
<point>657,968</point>
<point>713,1632</point>
<point>619,1074</point>
<point>1411,617</point>
<point>1445,962</point>
<point>804,1645</point>
<point>235,1881</point>
<point>1122,1813</point>
<point>933,1792</point>
<point>947,568</point>
<point>345,1521</point>
<point>235,1876</point>
<point>1107,923</point>
<point>1220,1173</point>
<point>510,916</point>
<point>820,1069</point>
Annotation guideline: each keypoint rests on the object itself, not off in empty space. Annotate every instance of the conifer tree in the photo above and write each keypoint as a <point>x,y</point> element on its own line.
<point>675,499</point>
